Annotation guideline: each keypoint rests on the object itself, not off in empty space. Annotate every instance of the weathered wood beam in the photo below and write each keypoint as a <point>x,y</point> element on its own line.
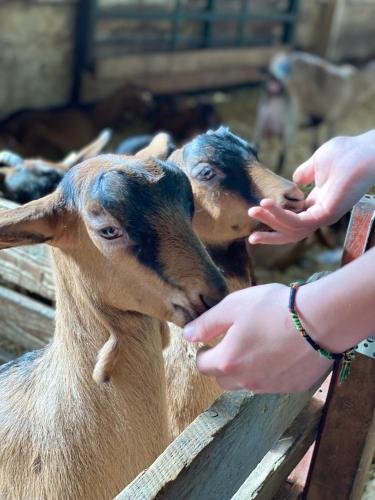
<point>188,81</point>
<point>193,60</point>
<point>270,474</point>
<point>178,72</point>
<point>25,321</point>
<point>215,454</point>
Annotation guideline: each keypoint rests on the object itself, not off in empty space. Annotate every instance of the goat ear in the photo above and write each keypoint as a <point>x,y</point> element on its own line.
<point>93,149</point>
<point>160,147</point>
<point>10,159</point>
<point>35,222</point>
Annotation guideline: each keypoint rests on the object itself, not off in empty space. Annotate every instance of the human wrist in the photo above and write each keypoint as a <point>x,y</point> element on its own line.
<point>321,317</point>
<point>366,164</point>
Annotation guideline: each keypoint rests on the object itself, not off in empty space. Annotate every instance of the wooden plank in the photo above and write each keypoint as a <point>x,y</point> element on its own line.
<point>343,451</point>
<point>162,83</point>
<point>25,321</point>
<point>347,425</point>
<point>171,63</point>
<point>214,455</point>
<point>270,474</point>
<point>178,72</point>
<point>368,454</point>
<point>27,267</point>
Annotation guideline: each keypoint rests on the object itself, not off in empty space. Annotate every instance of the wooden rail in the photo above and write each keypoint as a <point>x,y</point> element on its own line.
<point>214,456</point>
<point>166,73</point>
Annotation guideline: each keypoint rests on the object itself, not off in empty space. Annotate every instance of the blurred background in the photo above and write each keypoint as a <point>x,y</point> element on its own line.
<point>188,54</point>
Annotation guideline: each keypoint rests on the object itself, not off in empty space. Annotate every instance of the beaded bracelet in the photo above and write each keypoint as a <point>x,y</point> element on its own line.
<point>346,357</point>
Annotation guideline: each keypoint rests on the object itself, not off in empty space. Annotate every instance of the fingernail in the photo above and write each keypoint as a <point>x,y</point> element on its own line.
<point>189,331</point>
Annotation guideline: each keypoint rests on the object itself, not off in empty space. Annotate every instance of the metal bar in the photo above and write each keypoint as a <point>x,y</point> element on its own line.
<point>289,27</point>
<point>242,22</point>
<point>121,41</point>
<point>207,27</point>
<point>176,25</point>
<point>84,44</point>
<point>184,15</point>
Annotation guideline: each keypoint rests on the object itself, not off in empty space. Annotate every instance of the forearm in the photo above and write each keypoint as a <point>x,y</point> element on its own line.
<point>367,144</point>
<point>362,159</point>
<point>338,311</point>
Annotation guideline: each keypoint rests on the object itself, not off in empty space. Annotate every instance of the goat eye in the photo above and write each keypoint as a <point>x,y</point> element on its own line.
<point>203,172</point>
<point>110,233</point>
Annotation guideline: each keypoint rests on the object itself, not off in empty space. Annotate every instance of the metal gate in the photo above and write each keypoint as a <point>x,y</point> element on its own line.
<point>107,28</point>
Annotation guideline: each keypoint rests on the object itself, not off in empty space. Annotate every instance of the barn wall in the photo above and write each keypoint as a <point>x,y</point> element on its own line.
<point>36,49</point>
<point>353,31</point>
<point>353,28</point>
<point>37,40</point>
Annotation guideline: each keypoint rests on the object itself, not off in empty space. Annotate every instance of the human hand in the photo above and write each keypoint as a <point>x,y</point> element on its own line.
<point>342,170</point>
<point>261,349</point>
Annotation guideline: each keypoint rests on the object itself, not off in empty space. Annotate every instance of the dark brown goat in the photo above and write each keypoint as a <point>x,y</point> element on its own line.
<point>26,180</point>
<point>52,133</point>
<point>226,179</point>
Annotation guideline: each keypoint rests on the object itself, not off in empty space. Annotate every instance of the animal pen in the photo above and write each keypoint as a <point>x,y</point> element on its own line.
<point>244,446</point>
<point>170,49</point>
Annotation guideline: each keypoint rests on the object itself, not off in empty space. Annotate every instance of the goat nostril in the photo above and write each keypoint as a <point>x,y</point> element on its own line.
<point>294,195</point>
<point>209,301</point>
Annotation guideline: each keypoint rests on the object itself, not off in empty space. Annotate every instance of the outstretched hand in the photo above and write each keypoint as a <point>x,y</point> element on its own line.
<point>261,350</point>
<point>342,171</point>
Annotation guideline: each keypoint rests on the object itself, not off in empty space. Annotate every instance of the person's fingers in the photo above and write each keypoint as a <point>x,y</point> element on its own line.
<point>305,173</point>
<point>213,361</point>
<point>274,238</point>
<point>316,215</point>
<point>312,198</point>
<point>210,324</point>
<point>266,217</point>
<point>228,383</point>
<point>282,215</point>
<point>207,361</point>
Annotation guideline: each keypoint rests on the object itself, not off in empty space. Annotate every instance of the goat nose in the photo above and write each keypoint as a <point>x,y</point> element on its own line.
<point>209,301</point>
<point>294,198</point>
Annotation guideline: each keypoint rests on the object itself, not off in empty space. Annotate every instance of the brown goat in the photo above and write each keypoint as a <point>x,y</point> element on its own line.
<point>276,118</point>
<point>52,133</point>
<point>227,180</point>
<point>125,261</point>
<point>26,180</point>
<point>323,92</point>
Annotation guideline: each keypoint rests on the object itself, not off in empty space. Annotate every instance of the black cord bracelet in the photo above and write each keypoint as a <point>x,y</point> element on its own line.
<point>346,356</point>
